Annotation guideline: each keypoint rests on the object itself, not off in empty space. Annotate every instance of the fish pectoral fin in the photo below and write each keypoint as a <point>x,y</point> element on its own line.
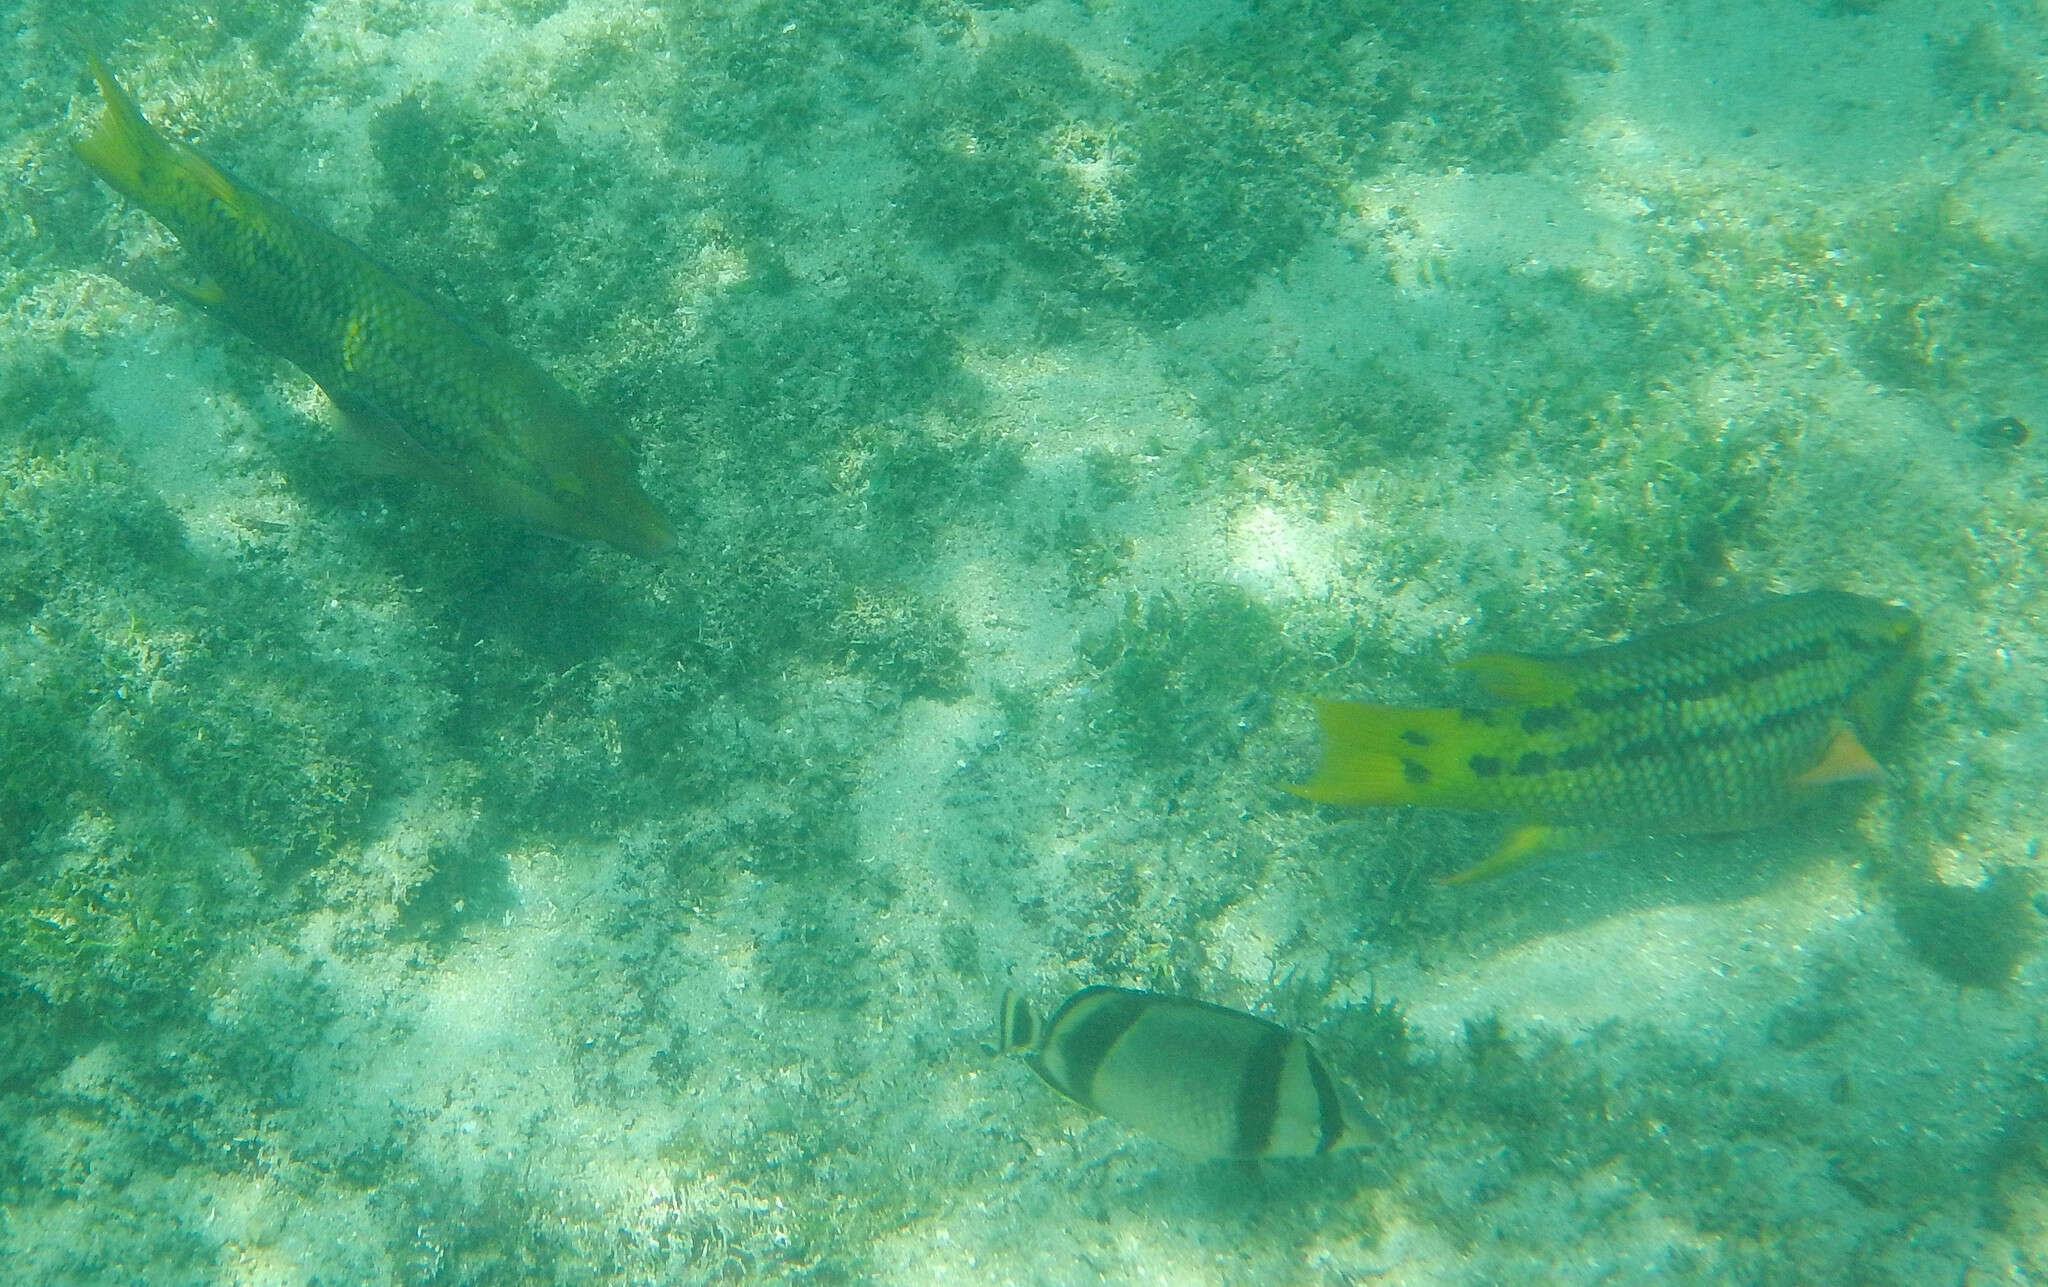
<point>377,444</point>
<point>1519,678</point>
<point>204,292</point>
<point>1845,760</point>
<point>1522,845</point>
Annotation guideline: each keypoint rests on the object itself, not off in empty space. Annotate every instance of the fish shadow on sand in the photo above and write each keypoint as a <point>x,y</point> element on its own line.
<point>1628,877</point>
<point>1227,1196</point>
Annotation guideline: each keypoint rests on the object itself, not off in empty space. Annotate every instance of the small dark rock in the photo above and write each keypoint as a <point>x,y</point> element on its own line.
<point>2006,431</point>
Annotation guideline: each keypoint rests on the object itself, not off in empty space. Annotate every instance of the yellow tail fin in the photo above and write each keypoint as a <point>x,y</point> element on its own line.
<point>125,150</point>
<point>1387,755</point>
<point>123,147</point>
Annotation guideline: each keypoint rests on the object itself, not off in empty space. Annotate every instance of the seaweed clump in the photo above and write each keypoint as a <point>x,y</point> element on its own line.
<point>1182,679</point>
<point>1166,194</point>
<point>158,729</point>
<point>1973,935</point>
<point>96,932</point>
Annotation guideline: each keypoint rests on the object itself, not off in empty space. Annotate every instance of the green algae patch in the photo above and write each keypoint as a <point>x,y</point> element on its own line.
<point>1186,677</point>
<point>1974,935</point>
<point>1320,422</point>
<point>1675,495</point>
<point>911,646</point>
<point>42,773</point>
<point>281,762</point>
<point>1164,193</point>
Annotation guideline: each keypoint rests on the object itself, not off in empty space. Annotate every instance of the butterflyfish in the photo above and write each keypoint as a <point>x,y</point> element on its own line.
<point>1209,1081</point>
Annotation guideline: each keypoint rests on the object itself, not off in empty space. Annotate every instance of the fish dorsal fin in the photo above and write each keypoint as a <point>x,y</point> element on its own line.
<point>1845,760</point>
<point>1520,678</point>
<point>217,185</point>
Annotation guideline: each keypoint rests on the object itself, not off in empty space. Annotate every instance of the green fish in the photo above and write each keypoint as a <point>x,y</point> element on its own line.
<point>1210,1081</point>
<point>1718,725</point>
<point>456,404</point>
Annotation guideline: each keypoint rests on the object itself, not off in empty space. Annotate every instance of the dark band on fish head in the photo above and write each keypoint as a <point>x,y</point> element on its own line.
<point>1082,1035</point>
<point>1016,1025</point>
<point>1258,1092</point>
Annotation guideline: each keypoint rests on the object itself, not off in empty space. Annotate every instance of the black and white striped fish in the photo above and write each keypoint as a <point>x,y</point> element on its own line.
<point>1210,1081</point>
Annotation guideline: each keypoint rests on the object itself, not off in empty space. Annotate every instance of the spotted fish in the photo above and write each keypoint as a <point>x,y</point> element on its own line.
<point>1718,725</point>
<point>454,403</point>
<point>1210,1081</point>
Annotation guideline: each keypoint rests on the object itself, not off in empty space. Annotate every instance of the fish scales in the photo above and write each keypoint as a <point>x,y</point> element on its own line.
<point>1703,727</point>
<point>1712,726</point>
<point>455,403</point>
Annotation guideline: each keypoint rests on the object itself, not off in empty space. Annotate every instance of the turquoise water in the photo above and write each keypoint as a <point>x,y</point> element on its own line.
<point>1050,399</point>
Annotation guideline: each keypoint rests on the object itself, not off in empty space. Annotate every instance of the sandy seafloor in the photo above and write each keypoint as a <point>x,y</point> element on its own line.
<point>1050,398</point>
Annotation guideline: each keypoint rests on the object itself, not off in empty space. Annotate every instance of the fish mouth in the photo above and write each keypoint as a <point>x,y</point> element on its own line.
<point>642,531</point>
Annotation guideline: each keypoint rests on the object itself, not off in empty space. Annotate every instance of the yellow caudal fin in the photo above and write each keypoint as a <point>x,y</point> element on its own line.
<point>1386,755</point>
<point>125,150</point>
<point>122,146</point>
<point>1519,678</point>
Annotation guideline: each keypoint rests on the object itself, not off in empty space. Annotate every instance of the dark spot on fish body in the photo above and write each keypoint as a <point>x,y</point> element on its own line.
<point>1651,746</point>
<point>1573,759</point>
<point>1415,772</point>
<point>1485,766</point>
<point>1531,764</point>
<point>1539,718</point>
<point>1599,701</point>
<point>1415,737</point>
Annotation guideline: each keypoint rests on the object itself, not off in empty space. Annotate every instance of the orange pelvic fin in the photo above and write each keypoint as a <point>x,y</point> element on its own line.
<point>1844,761</point>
